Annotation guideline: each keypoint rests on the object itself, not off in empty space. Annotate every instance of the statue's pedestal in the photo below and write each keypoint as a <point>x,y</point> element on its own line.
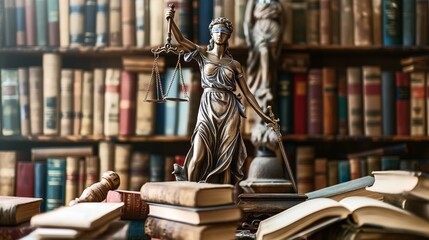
<point>259,206</point>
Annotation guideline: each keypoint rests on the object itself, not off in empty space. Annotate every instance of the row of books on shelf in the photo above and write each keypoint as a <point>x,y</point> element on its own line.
<point>356,101</point>
<point>74,23</point>
<point>59,175</point>
<point>51,100</point>
<point>313,172</point>
<point>359,23</point>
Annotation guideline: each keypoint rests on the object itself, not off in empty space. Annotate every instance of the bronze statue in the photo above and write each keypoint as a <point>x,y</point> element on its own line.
<point>217,152</point>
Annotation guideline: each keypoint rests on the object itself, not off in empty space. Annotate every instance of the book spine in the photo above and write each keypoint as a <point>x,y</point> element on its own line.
<point>77,22</point>
<point>90,22</point>
<point>373,163</point>
<point>122,164</point>
<point>285,102</point>
<point>206,15</point>
<point>77,100</point>
<point>24,179</point>
<point>106,154</point>
<point>355,101</point>
<point>87,103</point>
<point>40,182</point>
<point>53,23</point>
<point>139,170</point>
<point>134,207</point>
<point>55,183</point>
<point>329,101</point>
<point>20,22</point>
<point>98,93</point>
<point>10,102</point>
<point>115,36</point>
<point>127,105</point>
<point>335,21</point>
<point>300,103</point>
<point>377,31</point>
<point>66,108</point>
<point>8,172</point>
<point>342,104</point>
<point>145,123</point>
<point>64,12</point>
<point>171,106</point>
<point>111,102</point>
<point>355,165</point>
<point>102,23</point>
<point>320,173</point>
<point>347,23</point>
<point>388,103</point>
<point>128,21</point>
<point>343,171</point>
<point>372,100</point>
<point>2,22</point>
<point>157,166</point>
<point>305,168</point>
<point>390,162</point>
<point>71,179</point>
<point>315,101</point>
<point>9,23</point>
<point>417,104</point>
<point>299,22</point>
<point>325,22</point>
<point>141,29</point>
<point>24,103</point>
<point>81,175</point>
<point>422,19</point>
<point>41,23</point>
<point>313,18</point>
<point>51,93</point>
<point>362,22</point>
<point>392,22</point>
<point>184,108</point>
<point>408,22</point>
<point>36,99</point>
<point>92,167</point>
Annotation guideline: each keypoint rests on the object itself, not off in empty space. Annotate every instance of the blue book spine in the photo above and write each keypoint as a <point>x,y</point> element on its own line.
<point>409,164</point>
<point>285,102</point>
<point>40,182</point>
<point>343,171</point>
<point>388,87</point>
<point>55,183</point>
<point>392,22</point>
<point>157,166</point>
<point>171,107</point>
<point>90,21</point>
<point>408,22</point>
<point>41,22</point>
<point>390,162</point>
<point>160,113</point>
<point>206,16</point>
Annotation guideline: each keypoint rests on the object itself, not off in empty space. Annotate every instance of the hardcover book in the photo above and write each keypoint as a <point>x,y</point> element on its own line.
<point>16,210</point>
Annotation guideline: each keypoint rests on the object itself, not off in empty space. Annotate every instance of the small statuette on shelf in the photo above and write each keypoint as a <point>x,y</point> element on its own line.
<point>97,192</point>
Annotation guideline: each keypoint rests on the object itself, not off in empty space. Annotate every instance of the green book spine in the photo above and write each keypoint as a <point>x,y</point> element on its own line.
<point>55,183</point>
<point>41,22</point>
<point>10,102</point>
<point>2,27</point>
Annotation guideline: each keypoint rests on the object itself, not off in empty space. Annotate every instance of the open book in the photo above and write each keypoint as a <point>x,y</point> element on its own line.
<point>362,211</point>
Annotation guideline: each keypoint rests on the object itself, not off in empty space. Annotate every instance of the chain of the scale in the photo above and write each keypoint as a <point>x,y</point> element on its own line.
<point>155,70</point>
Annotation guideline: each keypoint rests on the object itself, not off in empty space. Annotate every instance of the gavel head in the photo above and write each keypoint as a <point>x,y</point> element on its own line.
<point>112,178</point>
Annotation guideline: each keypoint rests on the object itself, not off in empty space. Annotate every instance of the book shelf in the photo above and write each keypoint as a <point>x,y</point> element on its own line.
<point>331,146</point>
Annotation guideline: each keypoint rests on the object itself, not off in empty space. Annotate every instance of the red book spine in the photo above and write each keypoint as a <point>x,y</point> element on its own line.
<point>25,179</point>
<point>127,106</point>
<point>300,103</point>
<point>402,103</point>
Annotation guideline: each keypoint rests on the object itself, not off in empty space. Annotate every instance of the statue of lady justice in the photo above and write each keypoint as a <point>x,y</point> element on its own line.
<point>217,152</point>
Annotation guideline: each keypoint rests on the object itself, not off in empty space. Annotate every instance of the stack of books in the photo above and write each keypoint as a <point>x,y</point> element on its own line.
<point>86,220</point>
<point>15,215</point>
<point>403,213</point>
<point>189,210</point>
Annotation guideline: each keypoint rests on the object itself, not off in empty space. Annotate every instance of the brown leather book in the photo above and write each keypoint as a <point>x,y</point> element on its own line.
<point>134,207</point>
<point>325,22</point>
<point>30,23</point>
<point>36,99</point>
<point>330,103</point>
<point>347,23</point>
<point>355,101</point>
<point>304,168</point>
<point>139,170</point>
<point>422,18</point>
<point>377,31</point>
<point>313,25</point>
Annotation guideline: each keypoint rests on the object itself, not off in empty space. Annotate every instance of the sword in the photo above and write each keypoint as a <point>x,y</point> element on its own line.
<point>276,129</point>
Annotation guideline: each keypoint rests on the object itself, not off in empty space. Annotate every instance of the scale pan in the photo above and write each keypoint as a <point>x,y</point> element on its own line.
<point>176,99</point>
<point>155,100</point>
